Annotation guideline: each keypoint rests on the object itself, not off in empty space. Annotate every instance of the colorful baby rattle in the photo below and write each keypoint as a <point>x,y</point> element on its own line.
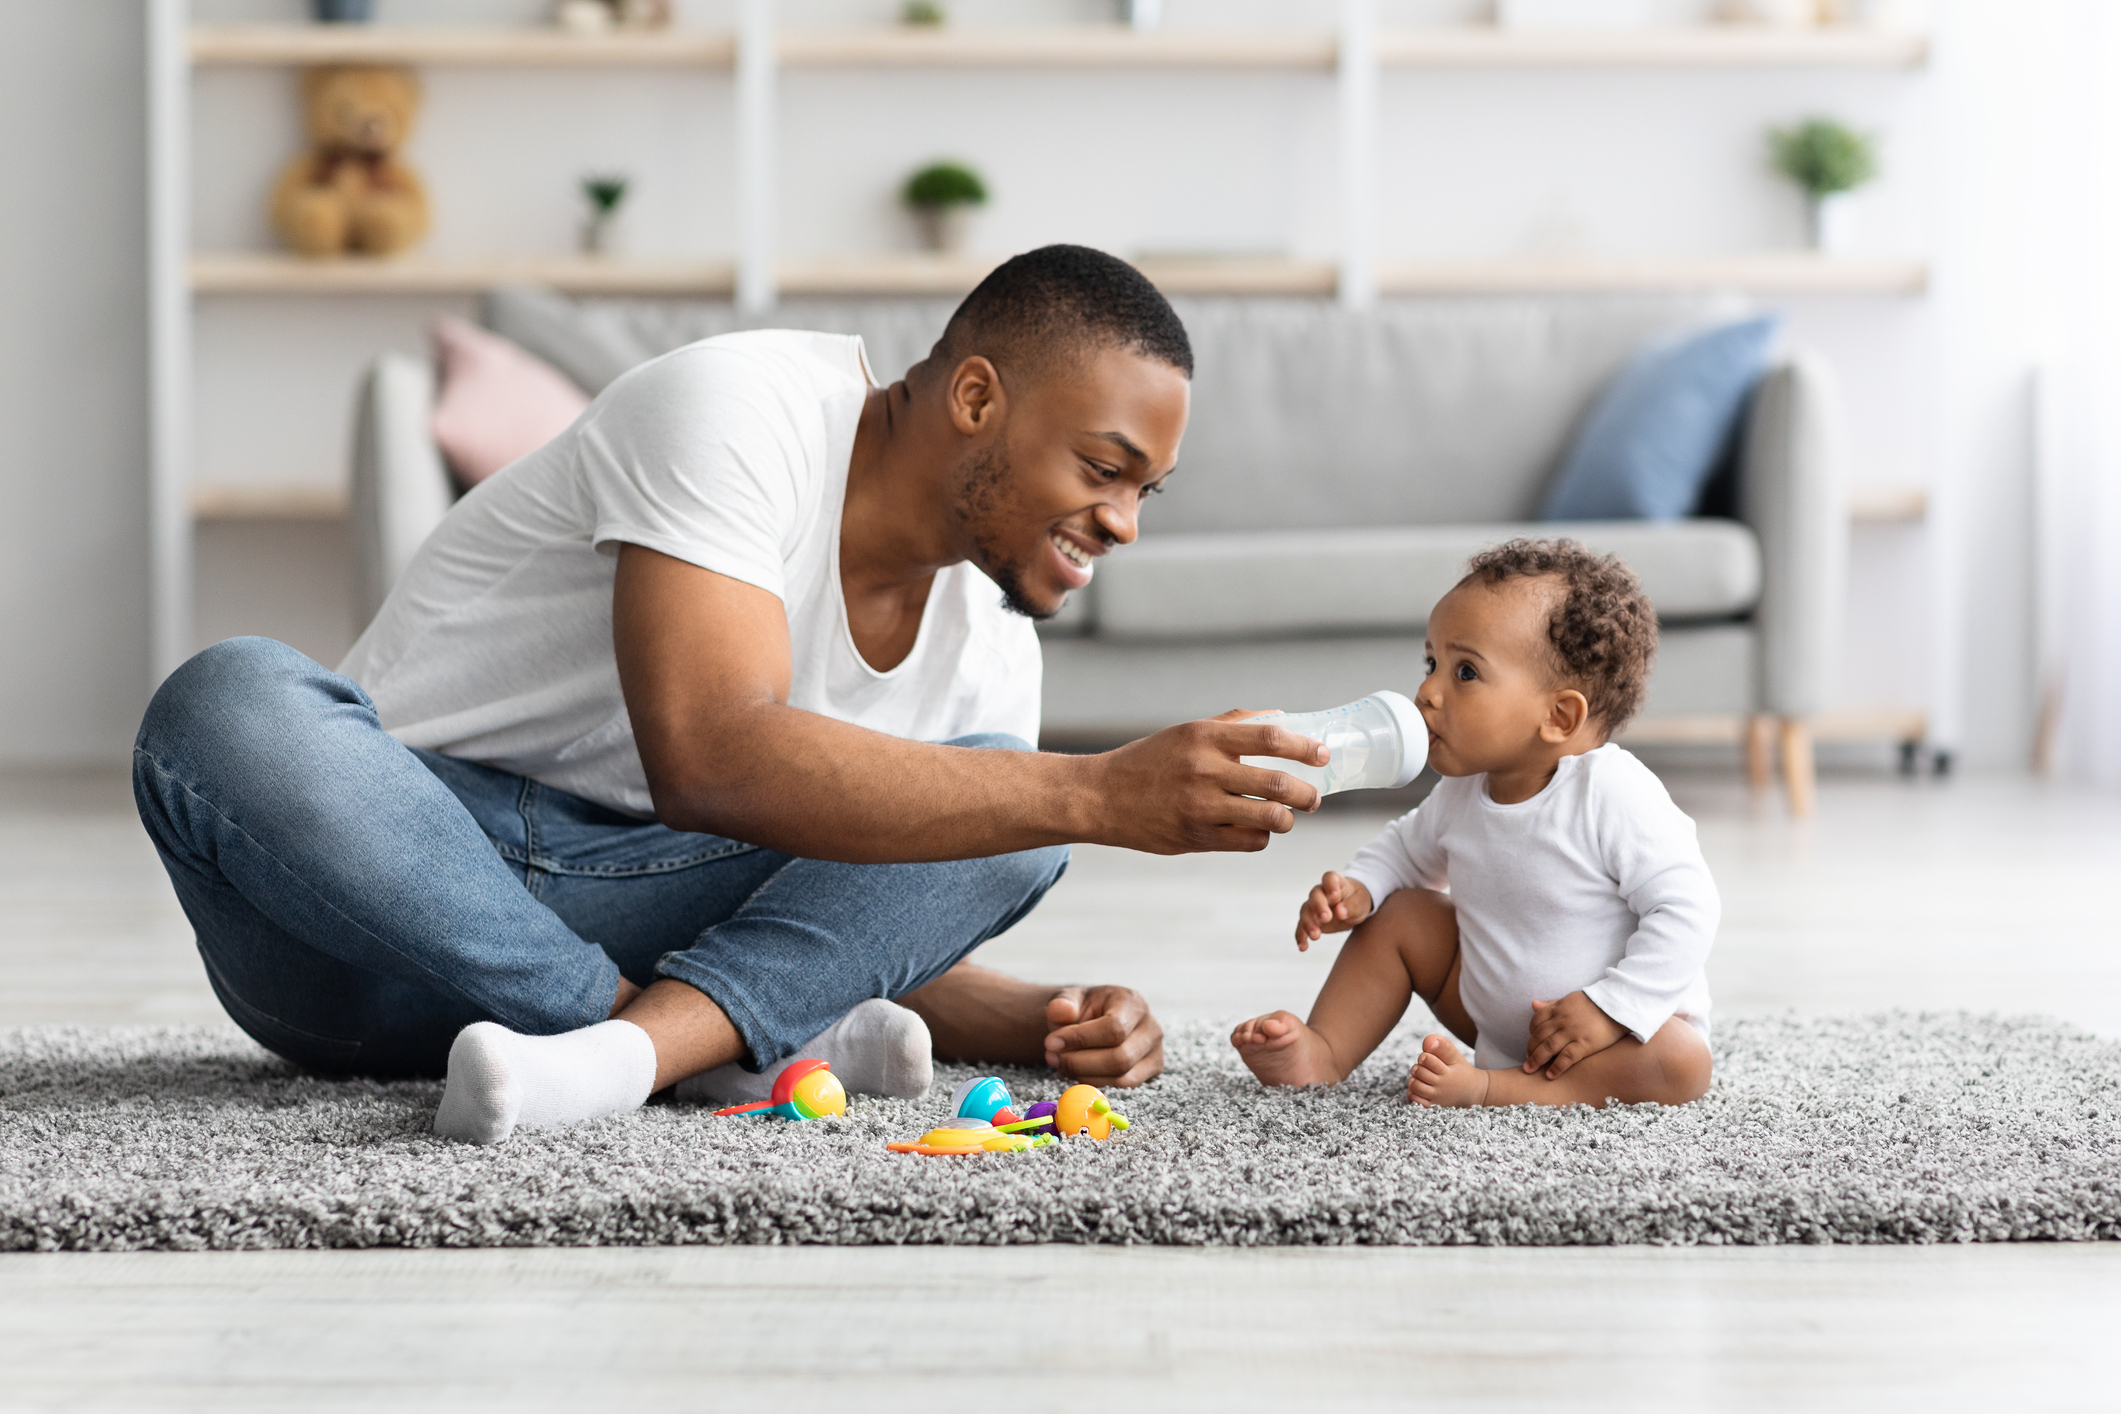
<point>987,1122</point>
<point>1081,1109</point>
<point>807,1089</point>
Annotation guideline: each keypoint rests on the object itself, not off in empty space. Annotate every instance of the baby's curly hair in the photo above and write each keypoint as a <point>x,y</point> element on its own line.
<point>1603,629</point>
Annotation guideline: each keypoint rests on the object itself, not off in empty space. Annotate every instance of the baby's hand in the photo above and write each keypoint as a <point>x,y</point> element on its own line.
<point>1566,1031</point>
<point>1336,904</point>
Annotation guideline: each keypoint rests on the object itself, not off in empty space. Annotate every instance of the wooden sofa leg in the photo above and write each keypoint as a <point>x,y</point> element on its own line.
<point>1760,752</point>
<point>1800,777</point>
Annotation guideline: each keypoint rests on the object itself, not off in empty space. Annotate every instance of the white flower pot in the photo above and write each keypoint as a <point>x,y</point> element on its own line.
<point>1141,14</point>
<point>1828,222</point>
<point>600,235</point>
<point>944,228</point>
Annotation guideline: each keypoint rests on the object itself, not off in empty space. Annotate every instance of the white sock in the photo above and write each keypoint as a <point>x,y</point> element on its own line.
<point>499,1079</point>
<point>879,1048</point>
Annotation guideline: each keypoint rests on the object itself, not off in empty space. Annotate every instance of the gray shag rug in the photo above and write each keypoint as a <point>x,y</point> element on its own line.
<point>1881,1129</point>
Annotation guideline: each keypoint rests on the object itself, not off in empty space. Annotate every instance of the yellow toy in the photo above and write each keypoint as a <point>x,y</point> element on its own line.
<point>970,1136</point>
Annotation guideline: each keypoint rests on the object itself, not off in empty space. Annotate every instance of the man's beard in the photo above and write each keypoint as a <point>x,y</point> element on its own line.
<point>981,501</point>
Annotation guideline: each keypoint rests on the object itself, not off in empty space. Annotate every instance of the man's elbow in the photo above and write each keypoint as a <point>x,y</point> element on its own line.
<point>686,801</point>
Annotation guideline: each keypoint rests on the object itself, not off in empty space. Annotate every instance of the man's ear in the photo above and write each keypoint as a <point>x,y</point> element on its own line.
<point>1565,716</point>
<point>975,397</point>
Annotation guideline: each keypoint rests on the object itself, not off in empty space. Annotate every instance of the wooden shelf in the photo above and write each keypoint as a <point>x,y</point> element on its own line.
<point>1085,46</point>
<point>1774,272</point>
<point>912,274</point>
<point>1701,46</point>
<point>883,275</point>
<point>277,274</point>
<point>267,273</point>
<point>1888,505</point>
<point>524,47</point>
<point>956,275</point>
<point>268,503</point>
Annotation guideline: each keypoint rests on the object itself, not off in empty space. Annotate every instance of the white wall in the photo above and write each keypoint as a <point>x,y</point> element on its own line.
<point>73,380</point>
<point>1608,162</point>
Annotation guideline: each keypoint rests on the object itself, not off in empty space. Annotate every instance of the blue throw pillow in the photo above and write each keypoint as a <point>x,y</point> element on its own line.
<point>1652,442</point>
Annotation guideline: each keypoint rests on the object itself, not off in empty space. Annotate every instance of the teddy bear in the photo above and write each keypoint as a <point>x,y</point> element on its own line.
<point>349,191</point>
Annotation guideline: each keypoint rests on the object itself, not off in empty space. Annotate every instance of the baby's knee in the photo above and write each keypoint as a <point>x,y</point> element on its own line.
<point>1678,1069</point>
<point>1419,911</point>
<point>1421,925</point>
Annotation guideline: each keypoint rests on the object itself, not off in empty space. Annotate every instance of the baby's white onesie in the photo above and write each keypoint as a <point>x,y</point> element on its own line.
<point>1595,884</point>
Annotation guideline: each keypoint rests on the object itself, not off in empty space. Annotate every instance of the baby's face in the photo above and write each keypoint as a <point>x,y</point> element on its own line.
<point>1490,686</point>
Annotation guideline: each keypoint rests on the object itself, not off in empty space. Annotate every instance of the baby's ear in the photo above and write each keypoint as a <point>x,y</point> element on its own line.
<point>1567,714</point>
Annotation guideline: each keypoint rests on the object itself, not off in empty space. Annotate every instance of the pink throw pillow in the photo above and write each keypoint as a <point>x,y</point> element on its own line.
<point>497,402</point>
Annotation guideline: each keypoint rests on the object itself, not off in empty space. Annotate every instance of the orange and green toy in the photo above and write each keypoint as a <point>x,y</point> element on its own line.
<point>805,1090</point>
<point>1083,1109</point>
<point>986,1120</point>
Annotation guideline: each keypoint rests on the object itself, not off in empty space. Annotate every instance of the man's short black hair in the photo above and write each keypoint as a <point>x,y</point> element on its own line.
<point>1060,302</point>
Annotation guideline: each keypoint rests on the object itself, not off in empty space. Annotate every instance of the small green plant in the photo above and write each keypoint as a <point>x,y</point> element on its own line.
<point>943,185</point>
<point>922,12</point>
<point>1823,157</point>
<point>603,195</point>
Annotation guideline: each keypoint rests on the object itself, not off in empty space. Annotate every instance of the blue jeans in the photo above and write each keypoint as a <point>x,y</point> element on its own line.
<point>358,902</point>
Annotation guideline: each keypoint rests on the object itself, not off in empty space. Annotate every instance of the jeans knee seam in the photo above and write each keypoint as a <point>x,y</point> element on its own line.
<point>526,810</point>
<point>440,982</point>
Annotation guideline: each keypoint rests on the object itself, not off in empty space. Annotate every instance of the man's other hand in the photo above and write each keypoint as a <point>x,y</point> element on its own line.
<point>1104,1036</point>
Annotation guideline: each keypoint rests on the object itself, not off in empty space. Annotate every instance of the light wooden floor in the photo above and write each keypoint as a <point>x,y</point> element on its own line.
<point>1990,894</point>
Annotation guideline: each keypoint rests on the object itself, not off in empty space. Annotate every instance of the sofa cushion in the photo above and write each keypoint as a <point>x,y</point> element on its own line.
<point>497,402</point>
<point>1655,436</point>
<point>595,340</point>
<point>1386,580</point>
<point>1416,412</point>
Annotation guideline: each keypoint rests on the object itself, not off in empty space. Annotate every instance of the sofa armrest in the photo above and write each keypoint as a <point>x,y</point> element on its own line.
<point>1792,492</point>
<point>401,489</point>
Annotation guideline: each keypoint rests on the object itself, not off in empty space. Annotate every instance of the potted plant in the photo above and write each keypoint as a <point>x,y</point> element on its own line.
<point>942,197</point>
<point>603,195</point>
<point>1826,160</point>
<point>923,14</point>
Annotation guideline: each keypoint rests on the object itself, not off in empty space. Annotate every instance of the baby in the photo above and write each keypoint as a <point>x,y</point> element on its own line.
<point>1568,951</point>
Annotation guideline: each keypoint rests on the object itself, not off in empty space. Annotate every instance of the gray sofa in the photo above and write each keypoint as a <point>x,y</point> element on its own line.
<point>1338,471</point>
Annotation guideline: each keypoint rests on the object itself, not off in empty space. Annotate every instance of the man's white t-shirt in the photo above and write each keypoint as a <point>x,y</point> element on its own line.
<point>1595,884</point>
<point>730,454</point>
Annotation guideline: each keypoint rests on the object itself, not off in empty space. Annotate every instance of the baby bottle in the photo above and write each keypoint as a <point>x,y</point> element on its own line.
<point>1375,742</point>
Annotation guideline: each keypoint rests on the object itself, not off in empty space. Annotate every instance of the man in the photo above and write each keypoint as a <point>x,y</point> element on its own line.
<point>696,737</point>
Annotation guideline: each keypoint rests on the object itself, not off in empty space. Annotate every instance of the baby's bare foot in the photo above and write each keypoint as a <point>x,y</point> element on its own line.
<point>1283,1051</point>
<point>1443,1076</point>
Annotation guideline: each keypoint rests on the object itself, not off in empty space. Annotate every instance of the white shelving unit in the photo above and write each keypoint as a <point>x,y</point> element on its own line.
<point>1355,55</point>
